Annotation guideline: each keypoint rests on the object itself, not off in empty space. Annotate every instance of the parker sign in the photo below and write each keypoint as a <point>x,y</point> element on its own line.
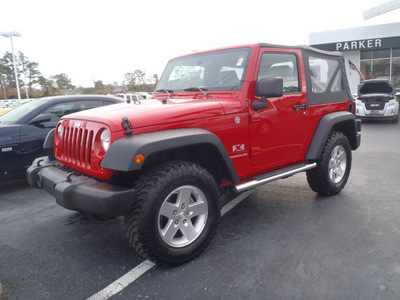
<point>359,45</point>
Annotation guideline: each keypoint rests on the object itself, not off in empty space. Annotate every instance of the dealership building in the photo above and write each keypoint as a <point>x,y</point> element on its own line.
<point>374,51</point>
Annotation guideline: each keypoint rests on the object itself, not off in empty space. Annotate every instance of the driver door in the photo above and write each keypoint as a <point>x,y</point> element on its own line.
<point>277,133</point>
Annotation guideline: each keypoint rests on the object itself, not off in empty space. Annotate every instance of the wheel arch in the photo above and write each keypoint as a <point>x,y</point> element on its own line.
<point>196,145</point>
<point>341,121</point>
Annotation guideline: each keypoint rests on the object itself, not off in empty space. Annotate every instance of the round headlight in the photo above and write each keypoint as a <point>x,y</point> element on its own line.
<point>60,131</point>
<point>105,139</point>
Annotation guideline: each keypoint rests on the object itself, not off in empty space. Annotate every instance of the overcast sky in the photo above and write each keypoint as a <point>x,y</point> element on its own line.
<point>102,40</point>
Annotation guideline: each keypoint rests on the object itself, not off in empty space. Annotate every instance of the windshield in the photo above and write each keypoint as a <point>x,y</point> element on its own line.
<point>16,114</point>
<point>211,71</point>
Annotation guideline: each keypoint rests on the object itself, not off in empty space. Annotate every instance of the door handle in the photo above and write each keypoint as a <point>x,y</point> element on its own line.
<point>298,107</point>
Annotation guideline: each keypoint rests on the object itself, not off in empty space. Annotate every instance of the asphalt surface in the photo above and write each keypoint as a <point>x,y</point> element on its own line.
<point>282,242</point>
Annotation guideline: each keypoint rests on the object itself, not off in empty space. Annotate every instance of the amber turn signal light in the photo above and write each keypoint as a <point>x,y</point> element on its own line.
<point>139,158</point>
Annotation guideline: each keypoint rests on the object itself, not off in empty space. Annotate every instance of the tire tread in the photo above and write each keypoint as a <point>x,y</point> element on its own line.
<point>318,178</point>
<point>147,188</point>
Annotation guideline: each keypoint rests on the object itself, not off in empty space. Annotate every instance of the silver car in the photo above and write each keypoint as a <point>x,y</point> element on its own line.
<point>377,100</point>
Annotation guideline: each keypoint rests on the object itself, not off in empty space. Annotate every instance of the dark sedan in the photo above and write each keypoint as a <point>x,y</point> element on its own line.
<point>23,130</point>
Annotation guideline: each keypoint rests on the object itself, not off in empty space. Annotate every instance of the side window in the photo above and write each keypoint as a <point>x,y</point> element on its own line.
<point>281,65</point>
<point>325,75</point>
<point>60,109</point>
<point>83,105</point>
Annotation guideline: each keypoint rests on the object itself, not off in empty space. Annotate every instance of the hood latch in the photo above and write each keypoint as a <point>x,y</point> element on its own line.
<point>127,125</point>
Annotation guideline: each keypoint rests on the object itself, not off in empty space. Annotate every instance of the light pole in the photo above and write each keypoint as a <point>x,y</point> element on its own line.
<point>10,35</point>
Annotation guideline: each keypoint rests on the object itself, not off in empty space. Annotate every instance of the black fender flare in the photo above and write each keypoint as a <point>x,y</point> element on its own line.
<point>121,154</point>
<point>351,127</point>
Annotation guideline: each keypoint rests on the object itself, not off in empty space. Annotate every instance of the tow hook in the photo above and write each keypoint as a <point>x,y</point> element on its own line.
<point>69,176</point>
<point>38,162</point>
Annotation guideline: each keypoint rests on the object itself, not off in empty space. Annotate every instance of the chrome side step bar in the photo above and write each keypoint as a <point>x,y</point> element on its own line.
<point>279,174</point>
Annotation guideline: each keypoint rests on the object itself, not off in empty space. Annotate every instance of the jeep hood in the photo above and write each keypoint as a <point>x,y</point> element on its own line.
<point>154,112</point>
<point>376,87</point>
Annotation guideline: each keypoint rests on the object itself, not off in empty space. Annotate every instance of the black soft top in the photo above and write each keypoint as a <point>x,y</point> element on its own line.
<point>303,47</point>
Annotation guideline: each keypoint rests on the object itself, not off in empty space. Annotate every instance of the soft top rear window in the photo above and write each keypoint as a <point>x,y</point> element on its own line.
<point>326,78</point>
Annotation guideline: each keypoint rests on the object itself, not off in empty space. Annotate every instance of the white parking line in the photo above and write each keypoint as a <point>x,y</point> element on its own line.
<point>123,281</point>
<point>235,201</point>
<point>147,265</point>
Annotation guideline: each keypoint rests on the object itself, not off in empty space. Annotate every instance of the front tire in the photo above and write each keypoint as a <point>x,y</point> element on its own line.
<point>333,170</point>
<point>175,213</point>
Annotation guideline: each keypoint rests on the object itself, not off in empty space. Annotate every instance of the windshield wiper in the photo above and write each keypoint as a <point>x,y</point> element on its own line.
<point>167,91</point>
<point>193,89</point>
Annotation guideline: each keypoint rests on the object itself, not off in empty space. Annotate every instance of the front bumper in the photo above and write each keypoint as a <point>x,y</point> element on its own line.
<point>388,112</point>
<point>78,192</point>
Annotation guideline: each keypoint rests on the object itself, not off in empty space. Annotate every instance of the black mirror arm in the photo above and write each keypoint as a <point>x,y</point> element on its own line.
<point>264,99</point>
<point>260,105</point>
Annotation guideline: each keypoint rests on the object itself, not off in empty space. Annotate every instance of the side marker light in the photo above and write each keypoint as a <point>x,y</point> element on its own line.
<point>139,158</point>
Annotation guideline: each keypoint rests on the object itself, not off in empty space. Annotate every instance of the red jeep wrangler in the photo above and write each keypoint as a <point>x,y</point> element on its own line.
<point>233,118</point>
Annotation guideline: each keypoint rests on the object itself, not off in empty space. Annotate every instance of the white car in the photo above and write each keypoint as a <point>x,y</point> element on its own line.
<point>6,103</point>
<point>130,97</point>
<point>377,100</point>
<point>145,95</point>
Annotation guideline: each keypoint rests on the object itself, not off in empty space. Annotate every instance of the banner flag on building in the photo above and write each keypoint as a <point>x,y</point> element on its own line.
<point>354,68</point>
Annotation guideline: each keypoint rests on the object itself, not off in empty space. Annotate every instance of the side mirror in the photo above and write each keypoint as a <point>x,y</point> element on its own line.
<point>267,87</point>
<point>40,119</point>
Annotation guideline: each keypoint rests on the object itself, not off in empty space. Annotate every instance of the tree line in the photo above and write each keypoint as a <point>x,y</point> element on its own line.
<point>34,85</point>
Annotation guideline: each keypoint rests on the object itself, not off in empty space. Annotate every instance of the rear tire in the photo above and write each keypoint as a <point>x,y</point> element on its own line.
<point>175,213</point>
<point>333,170</point>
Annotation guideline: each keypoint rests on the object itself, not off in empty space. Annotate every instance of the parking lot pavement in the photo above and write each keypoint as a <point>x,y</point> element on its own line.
<point>282,242</point>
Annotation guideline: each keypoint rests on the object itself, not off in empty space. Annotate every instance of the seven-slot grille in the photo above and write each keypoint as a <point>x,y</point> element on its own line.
<point>77,143</point>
